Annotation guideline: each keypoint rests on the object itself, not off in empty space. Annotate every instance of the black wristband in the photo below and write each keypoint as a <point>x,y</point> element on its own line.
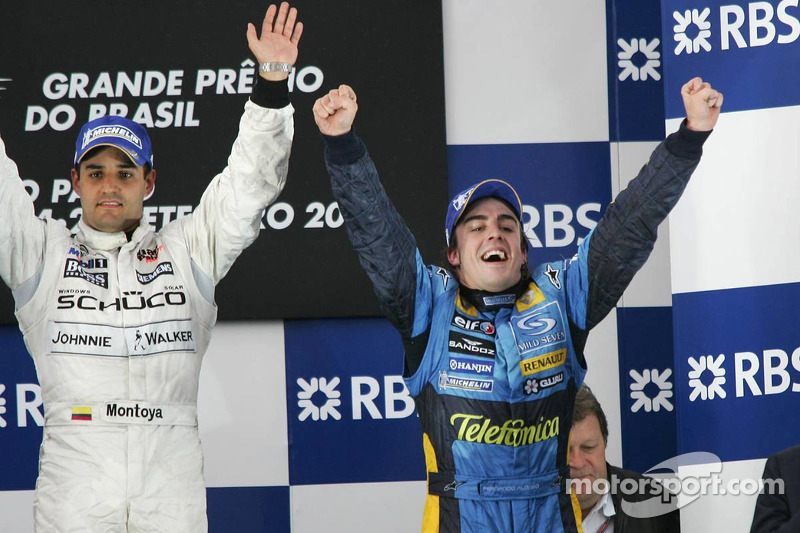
<point>687,143</point>
<point>271,94</point>
<point>344,149</point>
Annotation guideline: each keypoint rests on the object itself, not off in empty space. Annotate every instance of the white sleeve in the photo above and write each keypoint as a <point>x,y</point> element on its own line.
<point>22,234</point>
<point>228,218</point>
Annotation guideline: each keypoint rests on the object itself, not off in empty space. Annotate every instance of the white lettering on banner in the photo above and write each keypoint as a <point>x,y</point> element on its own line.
<point>32,188</point>
<point>739,28</point>
<point>761,30</point>
<point>559,230</point>
<point>776,376</point>
<point>74,86</point>
<point>26,408</point>
<point>754,375</point>
<point>394,391</point>
<point>60,118</point>
<point>280,215</point>
<point>172,113</point>
<point>364,391</point>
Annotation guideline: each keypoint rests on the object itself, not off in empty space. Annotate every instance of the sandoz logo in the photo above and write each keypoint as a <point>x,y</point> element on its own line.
<point>756,24</point>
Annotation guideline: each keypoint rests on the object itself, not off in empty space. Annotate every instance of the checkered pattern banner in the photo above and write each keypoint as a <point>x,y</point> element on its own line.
<point>305,422</point>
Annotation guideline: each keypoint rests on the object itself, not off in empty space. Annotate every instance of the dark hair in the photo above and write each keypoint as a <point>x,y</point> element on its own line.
<point>96,150</point>
<point>586,404</point>
<point>524,270</point>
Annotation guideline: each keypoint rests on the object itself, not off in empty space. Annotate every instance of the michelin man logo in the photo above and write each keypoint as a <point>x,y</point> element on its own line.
<point>686,43</point>
<point>3,422</point>
<point>629,68</point>
<point>713,365</point>
<point>661,399</point>
<point>309,408</point>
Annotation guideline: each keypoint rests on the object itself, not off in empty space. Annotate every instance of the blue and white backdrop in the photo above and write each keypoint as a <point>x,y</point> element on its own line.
<point>305,422</point>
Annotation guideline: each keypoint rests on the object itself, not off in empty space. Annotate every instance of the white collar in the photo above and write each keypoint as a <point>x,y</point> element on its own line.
<point>101,240</point>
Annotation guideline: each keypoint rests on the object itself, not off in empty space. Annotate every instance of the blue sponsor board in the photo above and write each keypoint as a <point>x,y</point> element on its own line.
<point>20,434</point>
<point>738,370</point>
<point>248,509</point>
<point>749,50</point>
<point>635,70</point>
<point>647,386</point>
<point>350,418</point>
<point>564,188</point>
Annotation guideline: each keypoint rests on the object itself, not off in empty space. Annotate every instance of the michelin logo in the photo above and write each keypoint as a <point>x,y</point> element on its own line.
<point>454,382</point>
<point>753,25</point>
<point>111,131</point>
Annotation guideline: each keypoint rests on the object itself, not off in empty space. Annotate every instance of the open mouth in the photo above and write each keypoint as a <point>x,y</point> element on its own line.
<point>494,256</point>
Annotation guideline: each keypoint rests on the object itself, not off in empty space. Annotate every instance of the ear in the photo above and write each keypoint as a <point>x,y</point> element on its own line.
<point>454,257</point>
<point>76,181</point>
<point>150,182</point>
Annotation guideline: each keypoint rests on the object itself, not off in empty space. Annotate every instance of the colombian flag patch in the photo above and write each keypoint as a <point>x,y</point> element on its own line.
<point>81,413</point>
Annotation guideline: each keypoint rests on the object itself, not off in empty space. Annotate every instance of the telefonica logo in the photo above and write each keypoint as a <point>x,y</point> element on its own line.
<point>733,26</point>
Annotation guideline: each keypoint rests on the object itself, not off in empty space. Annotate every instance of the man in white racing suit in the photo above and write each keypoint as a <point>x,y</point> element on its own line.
<point>117,317</point>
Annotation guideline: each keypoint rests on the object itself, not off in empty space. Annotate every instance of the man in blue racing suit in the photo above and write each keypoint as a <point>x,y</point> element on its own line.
<point>493,349</point>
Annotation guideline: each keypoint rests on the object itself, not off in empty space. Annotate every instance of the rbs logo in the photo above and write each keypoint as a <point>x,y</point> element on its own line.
<point>756,24</point>
<point>555,226</point>
<point>755,374</point>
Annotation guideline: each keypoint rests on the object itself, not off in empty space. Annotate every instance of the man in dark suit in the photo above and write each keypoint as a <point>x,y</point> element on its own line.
<point>612,500</point>
<point>778,505</point>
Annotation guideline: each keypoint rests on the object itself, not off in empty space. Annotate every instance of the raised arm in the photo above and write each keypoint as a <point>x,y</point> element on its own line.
<point>228,218</point>
<point>625,236</point>
<point>385,246</point>
<point>21,232</point>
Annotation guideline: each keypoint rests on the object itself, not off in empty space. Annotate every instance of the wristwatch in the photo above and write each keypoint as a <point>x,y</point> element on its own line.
<point>275,67</point>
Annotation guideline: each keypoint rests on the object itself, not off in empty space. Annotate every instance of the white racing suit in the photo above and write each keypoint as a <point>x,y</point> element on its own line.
<point>117,329</point>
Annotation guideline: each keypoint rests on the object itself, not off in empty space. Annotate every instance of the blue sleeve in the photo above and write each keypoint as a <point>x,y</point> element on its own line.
<point>625,236</point>
<point>386,248</point>
<point>577,280</point>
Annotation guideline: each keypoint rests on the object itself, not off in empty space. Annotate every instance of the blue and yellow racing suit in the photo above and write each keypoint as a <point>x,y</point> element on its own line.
<point>494,375</point>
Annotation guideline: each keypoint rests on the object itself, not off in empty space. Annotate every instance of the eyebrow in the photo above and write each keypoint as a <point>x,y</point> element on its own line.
<point>95,166</point>
<point>484,218</point>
